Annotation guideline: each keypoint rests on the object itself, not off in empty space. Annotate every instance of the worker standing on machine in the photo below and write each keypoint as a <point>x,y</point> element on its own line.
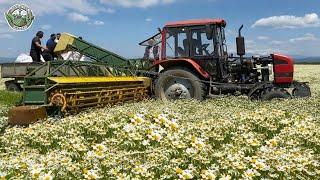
<point>36,48</point>
<point>58,37</point>
<point>48,54</point>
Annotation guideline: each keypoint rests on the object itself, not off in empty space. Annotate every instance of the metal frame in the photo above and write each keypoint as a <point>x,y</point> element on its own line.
<point>37,84</point>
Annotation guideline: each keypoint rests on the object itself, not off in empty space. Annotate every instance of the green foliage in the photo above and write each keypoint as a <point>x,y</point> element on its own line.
<point>9,98</point>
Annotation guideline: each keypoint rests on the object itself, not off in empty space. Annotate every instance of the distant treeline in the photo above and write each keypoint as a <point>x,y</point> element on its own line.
<point>308,63</point>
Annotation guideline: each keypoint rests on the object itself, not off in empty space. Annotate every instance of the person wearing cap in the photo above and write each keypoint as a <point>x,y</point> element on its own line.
<point>36,48</point>
<point>48,54</point>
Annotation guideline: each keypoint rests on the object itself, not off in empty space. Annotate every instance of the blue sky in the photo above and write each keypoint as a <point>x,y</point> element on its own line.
<point>287,26</point>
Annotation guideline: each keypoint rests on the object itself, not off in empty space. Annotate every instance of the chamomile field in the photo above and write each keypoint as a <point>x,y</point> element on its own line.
<point>225,138</point>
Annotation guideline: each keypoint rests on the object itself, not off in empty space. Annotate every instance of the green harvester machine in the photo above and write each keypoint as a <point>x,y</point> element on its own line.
<point>63,86</point>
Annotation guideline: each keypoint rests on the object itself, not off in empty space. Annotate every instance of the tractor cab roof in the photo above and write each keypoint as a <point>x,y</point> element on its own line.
<point>197,22</point>
<point>157,39</point>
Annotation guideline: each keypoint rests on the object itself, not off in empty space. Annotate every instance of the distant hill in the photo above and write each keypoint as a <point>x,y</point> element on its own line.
<point>6,59</point>
<point>308,60</point>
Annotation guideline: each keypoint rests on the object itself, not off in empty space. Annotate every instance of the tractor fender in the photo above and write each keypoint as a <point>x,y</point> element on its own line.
<point>259,86</point>
<point>187,63</point>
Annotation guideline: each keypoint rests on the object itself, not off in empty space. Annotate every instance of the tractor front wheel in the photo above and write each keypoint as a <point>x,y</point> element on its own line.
<point>275,93</point>
<point>179,84</point>
<point>301,90</point>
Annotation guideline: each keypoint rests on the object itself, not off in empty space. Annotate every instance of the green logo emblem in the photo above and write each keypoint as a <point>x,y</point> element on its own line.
<point>19,17</point>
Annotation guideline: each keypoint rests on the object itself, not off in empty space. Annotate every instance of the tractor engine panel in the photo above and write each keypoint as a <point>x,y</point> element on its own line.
<point>243,73</point>
<point>283,69</point>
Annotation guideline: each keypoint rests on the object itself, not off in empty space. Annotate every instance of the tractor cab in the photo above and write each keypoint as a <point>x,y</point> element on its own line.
<point>199,42</point>
<point>199,39</point>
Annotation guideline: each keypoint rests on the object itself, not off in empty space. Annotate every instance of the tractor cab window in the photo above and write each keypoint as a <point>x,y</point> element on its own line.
<point>200,44</point>
<point>177,43</point>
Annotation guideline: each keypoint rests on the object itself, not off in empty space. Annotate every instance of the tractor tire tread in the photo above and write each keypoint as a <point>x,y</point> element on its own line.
<point>275,93</point>
<point>199,94</point>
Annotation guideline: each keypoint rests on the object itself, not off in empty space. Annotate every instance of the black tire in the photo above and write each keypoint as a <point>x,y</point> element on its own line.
<point>12,86</point>
<point>301,91</point>
<point>275,93</point>
<point>170,87</point>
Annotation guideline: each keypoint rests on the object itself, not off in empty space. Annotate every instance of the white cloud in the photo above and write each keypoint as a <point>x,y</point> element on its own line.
<point>88,7</point>
<point>41,7</point>
<point>110,10</point>
<point>148,19</point>
<point>262,37</point>
<point>77,17</point>
<point>136,3</point>
<point>46,27</point>
<point>287,21</point>
<point>250,42</point>
<point>306,37</point>
<point>258,48</point>
<point>276,43</point>
<point>309,42</point>
<point>98,23</point>
<point>231,32</point>
<point>4,27</point>
<point>6,36</point>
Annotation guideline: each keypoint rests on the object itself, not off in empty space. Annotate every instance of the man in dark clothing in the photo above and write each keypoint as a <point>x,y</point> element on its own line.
<point>36,48</point>
<point>48,54</point>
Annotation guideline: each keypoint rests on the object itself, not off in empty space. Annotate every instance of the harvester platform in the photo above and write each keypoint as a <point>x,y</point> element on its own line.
<point>63,95</point>
<point>74,93</point>
<point>71,94</point>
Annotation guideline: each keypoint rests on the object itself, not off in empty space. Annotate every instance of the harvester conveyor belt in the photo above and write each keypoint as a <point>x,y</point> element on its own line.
<point>70,42</point>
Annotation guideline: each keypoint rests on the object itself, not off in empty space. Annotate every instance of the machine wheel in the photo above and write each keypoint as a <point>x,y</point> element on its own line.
<point>59,100</point>
<point>12,86</point>
<point>275,93</point>
<point>301,91</point>
<point>256,95</point>
<point>179,84</point>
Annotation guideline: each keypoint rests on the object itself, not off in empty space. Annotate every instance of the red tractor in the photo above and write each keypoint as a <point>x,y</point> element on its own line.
<point>191,57</point>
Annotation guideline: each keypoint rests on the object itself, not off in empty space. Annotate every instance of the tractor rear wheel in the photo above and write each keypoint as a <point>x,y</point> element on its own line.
<point>275,93</point>
<point>179,84</point>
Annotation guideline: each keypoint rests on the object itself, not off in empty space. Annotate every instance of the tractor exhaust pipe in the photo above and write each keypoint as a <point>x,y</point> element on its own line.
<point>241,50</point>
<point>239,31</point>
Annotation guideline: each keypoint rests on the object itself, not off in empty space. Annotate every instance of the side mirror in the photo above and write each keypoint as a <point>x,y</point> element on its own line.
<point>241,49</point>
<point>209,32</point>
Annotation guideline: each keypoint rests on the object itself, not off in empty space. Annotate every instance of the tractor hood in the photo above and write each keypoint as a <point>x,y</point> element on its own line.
<point>283,68</point>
